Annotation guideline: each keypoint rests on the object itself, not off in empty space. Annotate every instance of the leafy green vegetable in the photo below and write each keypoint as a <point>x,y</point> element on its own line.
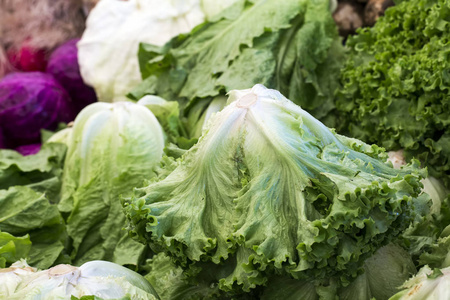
<point>13,248</point>
<point>24,211</point>
<point>396,84</point>
<point>41,172</point>
<point>384,273</point>
<point>201,112</point>
<point>111,149</point>
<point>30,187</point>
<point>438,256</point>
<point>268,189</point>
<point>290,45</point>
<point>115,29</point>
<point>431,223</point>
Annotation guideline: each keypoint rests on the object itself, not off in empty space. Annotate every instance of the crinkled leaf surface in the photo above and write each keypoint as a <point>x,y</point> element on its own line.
<point>268,188</point>
<point>396,84</point>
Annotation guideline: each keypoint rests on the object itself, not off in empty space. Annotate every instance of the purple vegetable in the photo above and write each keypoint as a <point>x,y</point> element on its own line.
<point>30,102</point>
<point>2,140</point>
<point>63,65</point>
<point>28,149</point>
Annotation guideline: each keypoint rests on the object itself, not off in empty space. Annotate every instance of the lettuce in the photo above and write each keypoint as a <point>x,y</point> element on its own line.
<point>13,248</point>
<point>384,273</point>
<point>107,50</point>
<point>92,280</point>
<point>268,189</point>
<point>112,148</point>
<point>396,83</point>
<point>292,46</point>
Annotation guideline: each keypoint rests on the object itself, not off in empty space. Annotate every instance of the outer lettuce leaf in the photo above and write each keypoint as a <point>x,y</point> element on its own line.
<point>201,112</point>
<point>431,223</point>
<point>93,280</point>
<point>291,45</point>
<point>30,185</point>
<point>112,148</point>
<point>13,248</point>
<point>170,282</point>
<point>383,274</point>
<point>269,189</point>
<point>26,212</point>
<point>396,84</point>
<point>41,172</point>
<point>11,277</point>
<point>438,256</point>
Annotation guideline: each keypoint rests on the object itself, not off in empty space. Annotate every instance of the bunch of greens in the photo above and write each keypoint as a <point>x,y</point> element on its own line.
<point>291,45</point>
<point>396,84</point>
<point>269,190</point>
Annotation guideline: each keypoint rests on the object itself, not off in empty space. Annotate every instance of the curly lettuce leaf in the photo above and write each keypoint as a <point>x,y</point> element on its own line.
<point>269,189</point>
<point>396,83</point>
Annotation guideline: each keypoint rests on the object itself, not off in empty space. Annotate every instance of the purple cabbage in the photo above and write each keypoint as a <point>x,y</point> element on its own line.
<point>30,102</point>
<point>28,149</point>
<point>2,140</point>
<point>63,65</point>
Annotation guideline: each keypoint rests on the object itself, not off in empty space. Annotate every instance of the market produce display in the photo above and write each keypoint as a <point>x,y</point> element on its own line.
<point>240,149</point>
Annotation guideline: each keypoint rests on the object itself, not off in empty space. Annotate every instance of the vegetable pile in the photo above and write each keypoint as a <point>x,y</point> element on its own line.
<point>229,155</point>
